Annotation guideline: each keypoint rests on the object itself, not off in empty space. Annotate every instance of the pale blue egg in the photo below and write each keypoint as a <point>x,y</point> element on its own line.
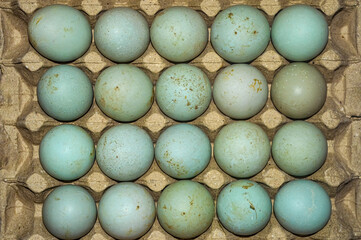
<point>60,33</point>
<point>240,33</point>
<point>179,34</point>
<point>69,212</point>
<point>65,93</point>
<point>183,92</point>
<point>302,207</point>
<point>183,151</point>
<point>126,211</point>
<point>240,91</point>
<point>125,152</point>
<point>67,152</point>
<point>299,32</point>
<point>121,34</point>
<point>299,148</point>
<point>244,207</point>
<point>124,92</point>
<point>242,149</point>
<point>185,209</point>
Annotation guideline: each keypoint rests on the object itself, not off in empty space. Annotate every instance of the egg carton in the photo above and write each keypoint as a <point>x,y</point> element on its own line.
<point>24,184</point>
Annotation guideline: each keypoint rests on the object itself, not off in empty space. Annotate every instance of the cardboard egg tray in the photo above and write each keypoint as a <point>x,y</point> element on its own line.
<point>24,184</point>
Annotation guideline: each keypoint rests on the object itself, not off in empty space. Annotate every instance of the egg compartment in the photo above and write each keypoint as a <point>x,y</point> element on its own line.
<point>25,184</point>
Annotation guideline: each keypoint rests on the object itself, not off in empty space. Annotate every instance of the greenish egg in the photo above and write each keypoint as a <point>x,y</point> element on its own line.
<point>185,209</point>
<point>298,90</point>
<point>244,207</point>
<point>241,149</point>
<point>67,152</point>
<point>121,34</point>
<point>179,34</point>
<point>60,33</point>
<point>124,92</point>
<point>302,207</point>
<point>299,32</point>
<point>240,33</point>
<point>125,152</point>
<point>183,92</point>
<point>183,151</point>
<point>299,148</point>
<point>69,212</point>
<point>65,93</point>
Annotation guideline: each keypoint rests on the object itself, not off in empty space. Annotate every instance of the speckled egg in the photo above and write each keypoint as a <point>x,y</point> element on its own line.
<point>60,33</point>
<point>69,212</point>
<point>183,151</point>
<point>298,90</point>
<point>121,34</point>
<point>65,93</point>
<point>67,152</point>
<point>299,148</point>
<point>125,152</point>
<point>241,149</point>
<point>244,207</point>
<point>183,92</point>
<point>126,211</point>
<point>240,91</point>
<point>302,207</point>
<point>240,33</point>
<point>179,34</point>
<point>299,32</point>
<point>124,92</point>
<point>185,209</point>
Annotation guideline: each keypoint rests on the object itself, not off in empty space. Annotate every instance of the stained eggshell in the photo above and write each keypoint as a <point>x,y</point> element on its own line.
<point>299,32</point>
<point>185,209</point>
<point>60,33</point>
<point>179,34</point>
<point>65,93</point>
<point>125,152</point>
<point>298,90</point>
<point>121,34</point>
<point>244,207</point>
<point>183,92</point>
<point>126,211</point>
<point>299,148</point>
<point>69,212</point>
<point>183,151</point>
<point>240,91</point>
<point>124,92</point>
<point>302,207</point>
<point>242,149</point>
<point>240,33</point>
<point>67,152</point>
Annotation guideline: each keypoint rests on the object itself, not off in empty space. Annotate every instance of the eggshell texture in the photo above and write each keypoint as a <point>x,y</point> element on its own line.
<point>124,92</point>
<point>179,34</point>
<point>60,33</point>
<point>240,91</point>
<point>299,148</point>
<point>185,209</point>
<point>125,152</point>
<point>242,149</point>
<point>69,212</point>
<point>244,207</point>
<point>298,90</point>
<point>183,92</point>
<point>121,34</point>
<point>240,33</point>
<point>183,151</point>
<point>126,211</point>
<point>299,32</point>
<point>302,207</point>
<point>65,93</point>
<point>67,152</point>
